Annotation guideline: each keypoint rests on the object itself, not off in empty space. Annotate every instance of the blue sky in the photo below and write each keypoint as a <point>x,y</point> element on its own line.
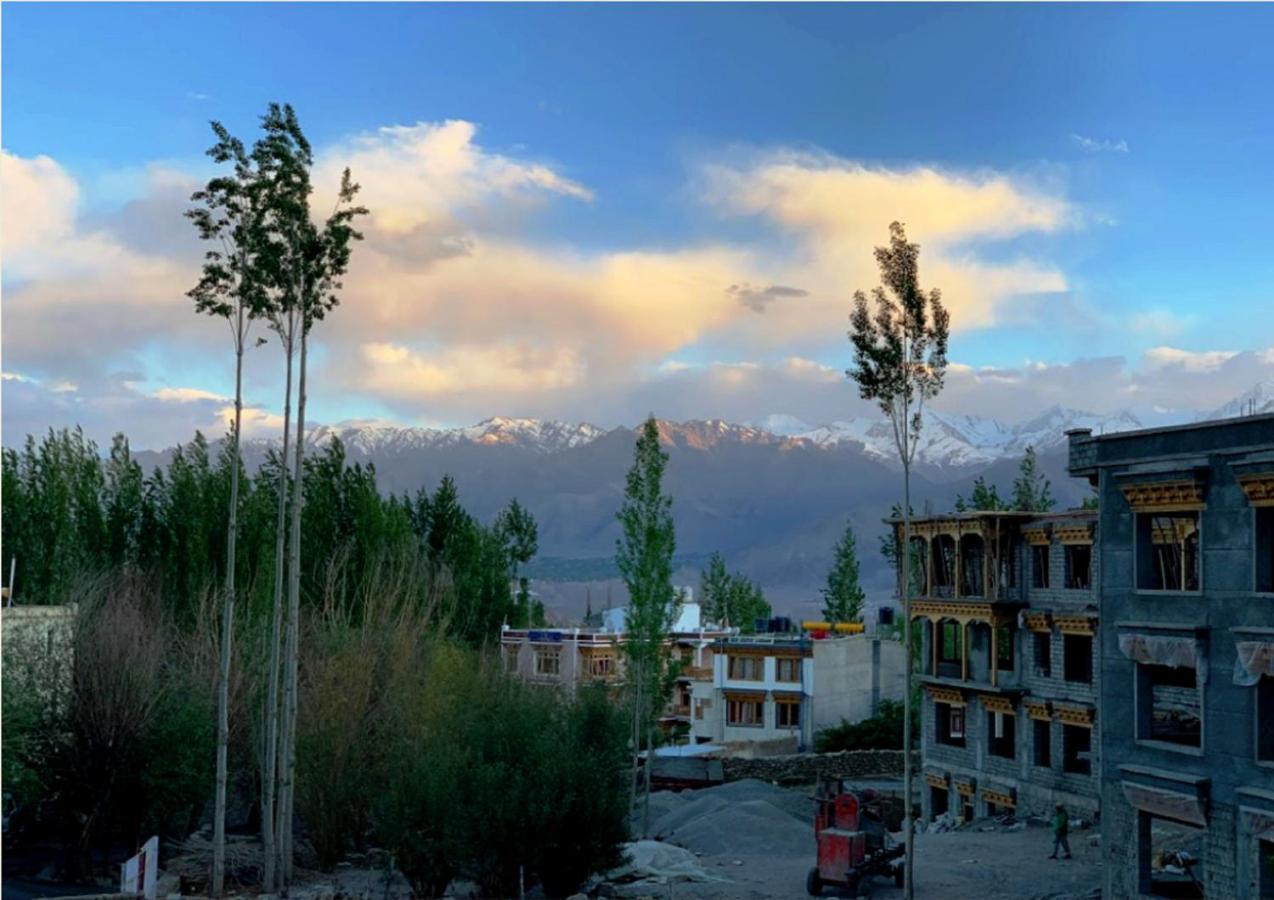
<point>1127,147</point>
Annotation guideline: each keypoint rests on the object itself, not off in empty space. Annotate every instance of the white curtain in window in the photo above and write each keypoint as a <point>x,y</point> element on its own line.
<point>1254,659</point>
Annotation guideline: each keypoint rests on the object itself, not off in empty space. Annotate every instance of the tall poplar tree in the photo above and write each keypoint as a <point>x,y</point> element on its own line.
<point>1032,492</point>
<point>900,358</point>
<point>231,218</point>
<point>644,557</point>
<point>310,261</point>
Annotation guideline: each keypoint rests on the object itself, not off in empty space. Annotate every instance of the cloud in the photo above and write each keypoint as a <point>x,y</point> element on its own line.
<point>757,299</point>
<point>1159,358</point>
<point>1097,145</point>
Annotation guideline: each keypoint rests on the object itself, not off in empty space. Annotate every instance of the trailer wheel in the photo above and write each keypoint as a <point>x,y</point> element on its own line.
<point>813,883</point>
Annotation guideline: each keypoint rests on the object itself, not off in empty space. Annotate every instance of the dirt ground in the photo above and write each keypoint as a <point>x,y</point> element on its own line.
<point>970,863</point>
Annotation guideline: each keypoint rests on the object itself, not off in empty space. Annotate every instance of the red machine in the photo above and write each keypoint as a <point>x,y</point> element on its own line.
<point>853,842</point>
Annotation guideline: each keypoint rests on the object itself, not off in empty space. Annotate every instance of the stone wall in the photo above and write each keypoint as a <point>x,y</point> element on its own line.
<point>807,768</point>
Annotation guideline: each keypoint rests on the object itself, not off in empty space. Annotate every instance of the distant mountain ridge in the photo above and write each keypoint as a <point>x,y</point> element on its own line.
<point>773,496</point>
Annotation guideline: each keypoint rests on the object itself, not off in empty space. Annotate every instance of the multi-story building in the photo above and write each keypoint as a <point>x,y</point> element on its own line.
<point>1186,579</point>
<point>572,656</point>
<point>1008,619</point>
<point>781,689</point>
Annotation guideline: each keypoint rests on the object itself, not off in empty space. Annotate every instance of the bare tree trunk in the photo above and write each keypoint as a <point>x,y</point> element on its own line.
<point>632,796</point>
<point>271,750</point>
<point>227,631</point>
<point>905,556</point>
<point>650,774</point>
<point>287,790</point>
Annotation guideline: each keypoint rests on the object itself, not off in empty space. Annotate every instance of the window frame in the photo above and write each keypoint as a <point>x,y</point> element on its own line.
<point>1046,725</point>
<point>786,706</point>
<point>733,703</point>
<point>1143,724</point>
<point>740,658</point>
<point>548,653</point>
<point>1068,569</point>
<point>1008,734</point>
<point>1259,586</point>
<point>1143,535</point>
<point>1067,767</point>
<point>794,662</point>
<point>953,712</point>
<point>1046,638</point>
<point>1066,669</point>
<point>1263,721</point>
<point>1040,574</point>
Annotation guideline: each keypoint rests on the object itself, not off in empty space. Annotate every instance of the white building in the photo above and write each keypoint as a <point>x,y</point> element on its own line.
<point>783,689</point>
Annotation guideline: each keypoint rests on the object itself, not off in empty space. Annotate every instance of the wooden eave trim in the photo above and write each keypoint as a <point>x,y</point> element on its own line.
<point>993,703</point>
<point>1036,536</point>
<point>1038,710</point>
<point>1039,622</point>
<point>745,696</point>
<point>1259,489</point>
<point>936,781</point>
<point>1072,716</point>
<point>1164,496</point>
<point>1076,625</point>
<point>959,611</point>
<point>966,788</point>
<point>950,696</point>
<point>1074,534</point>
<point>1000,798</point>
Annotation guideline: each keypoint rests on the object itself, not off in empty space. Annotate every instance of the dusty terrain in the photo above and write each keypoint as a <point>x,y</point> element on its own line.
<point>756,841</point>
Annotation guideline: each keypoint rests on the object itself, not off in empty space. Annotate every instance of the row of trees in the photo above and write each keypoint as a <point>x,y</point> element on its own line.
<point>69,513</point>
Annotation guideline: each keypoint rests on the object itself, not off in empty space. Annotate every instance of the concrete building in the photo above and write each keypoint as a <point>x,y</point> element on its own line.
<point>777,691</point>
<point>1187,656</point>
<point>573,656</point>
<point>1008,619</point>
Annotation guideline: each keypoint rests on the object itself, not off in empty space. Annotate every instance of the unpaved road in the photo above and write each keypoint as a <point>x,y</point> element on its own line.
<point>957,864</point>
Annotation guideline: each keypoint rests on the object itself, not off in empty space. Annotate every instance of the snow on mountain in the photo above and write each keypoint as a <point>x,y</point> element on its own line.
<point>1260,399</point>
<point>950,441</point>
<point>947,441</point>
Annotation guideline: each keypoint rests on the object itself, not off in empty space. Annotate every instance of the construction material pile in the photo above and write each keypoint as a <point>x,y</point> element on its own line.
<point>745,818</point>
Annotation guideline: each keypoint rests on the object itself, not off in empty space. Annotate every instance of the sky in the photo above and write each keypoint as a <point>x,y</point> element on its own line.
<point>596,212</point>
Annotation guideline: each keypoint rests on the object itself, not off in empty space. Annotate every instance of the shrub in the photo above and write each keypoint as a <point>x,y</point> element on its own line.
<point>882,731</point>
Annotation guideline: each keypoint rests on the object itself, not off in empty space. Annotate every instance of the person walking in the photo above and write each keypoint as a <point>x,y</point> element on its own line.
<point>1061,827</point>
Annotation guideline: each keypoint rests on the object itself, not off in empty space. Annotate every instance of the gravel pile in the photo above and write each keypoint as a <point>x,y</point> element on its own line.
<point>740,819</point>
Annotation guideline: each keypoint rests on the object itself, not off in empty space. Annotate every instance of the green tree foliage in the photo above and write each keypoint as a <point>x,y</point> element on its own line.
<point>882,731</point>
<point>731,597</point>
<point>984,498</point>
<point>517,530</point>
<point>70,514</point>
<point>1032,491</point>
<point>843,596</point>
<point>900,361</point>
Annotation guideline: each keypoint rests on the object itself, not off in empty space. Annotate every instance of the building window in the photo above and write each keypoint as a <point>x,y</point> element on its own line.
<point>1265,859</point>
<point>1168,551</point>
<point>1039,565</point>
<point>747,713</point>
<point>548,662</point>
<point>943,567</point>
<point>1170,858</point>
<point>1265,549</point>
<point>511,659</point>
<point>1169,705</point>
<point>972,562</point>
<point>1265,719</point>
<point>601,666</point>
<point>787,670</point>
<point>1043,743</point>
<point>1077,747</point>
<point>1079,566</point>
<point>747,668</point>
<point>1043,654</point>
<point>949,724</point>
<point>939,799</point>
<point>787,713</point>
<point>1078,652</point>
<point>950,647</point>
<point>1004,648</point>
<point>1002,734</point>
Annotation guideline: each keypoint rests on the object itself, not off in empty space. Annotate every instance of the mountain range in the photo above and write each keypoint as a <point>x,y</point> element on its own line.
<point>773,496</point>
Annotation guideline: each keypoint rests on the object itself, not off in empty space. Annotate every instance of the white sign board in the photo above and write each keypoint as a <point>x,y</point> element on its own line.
<point>137,876</point>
